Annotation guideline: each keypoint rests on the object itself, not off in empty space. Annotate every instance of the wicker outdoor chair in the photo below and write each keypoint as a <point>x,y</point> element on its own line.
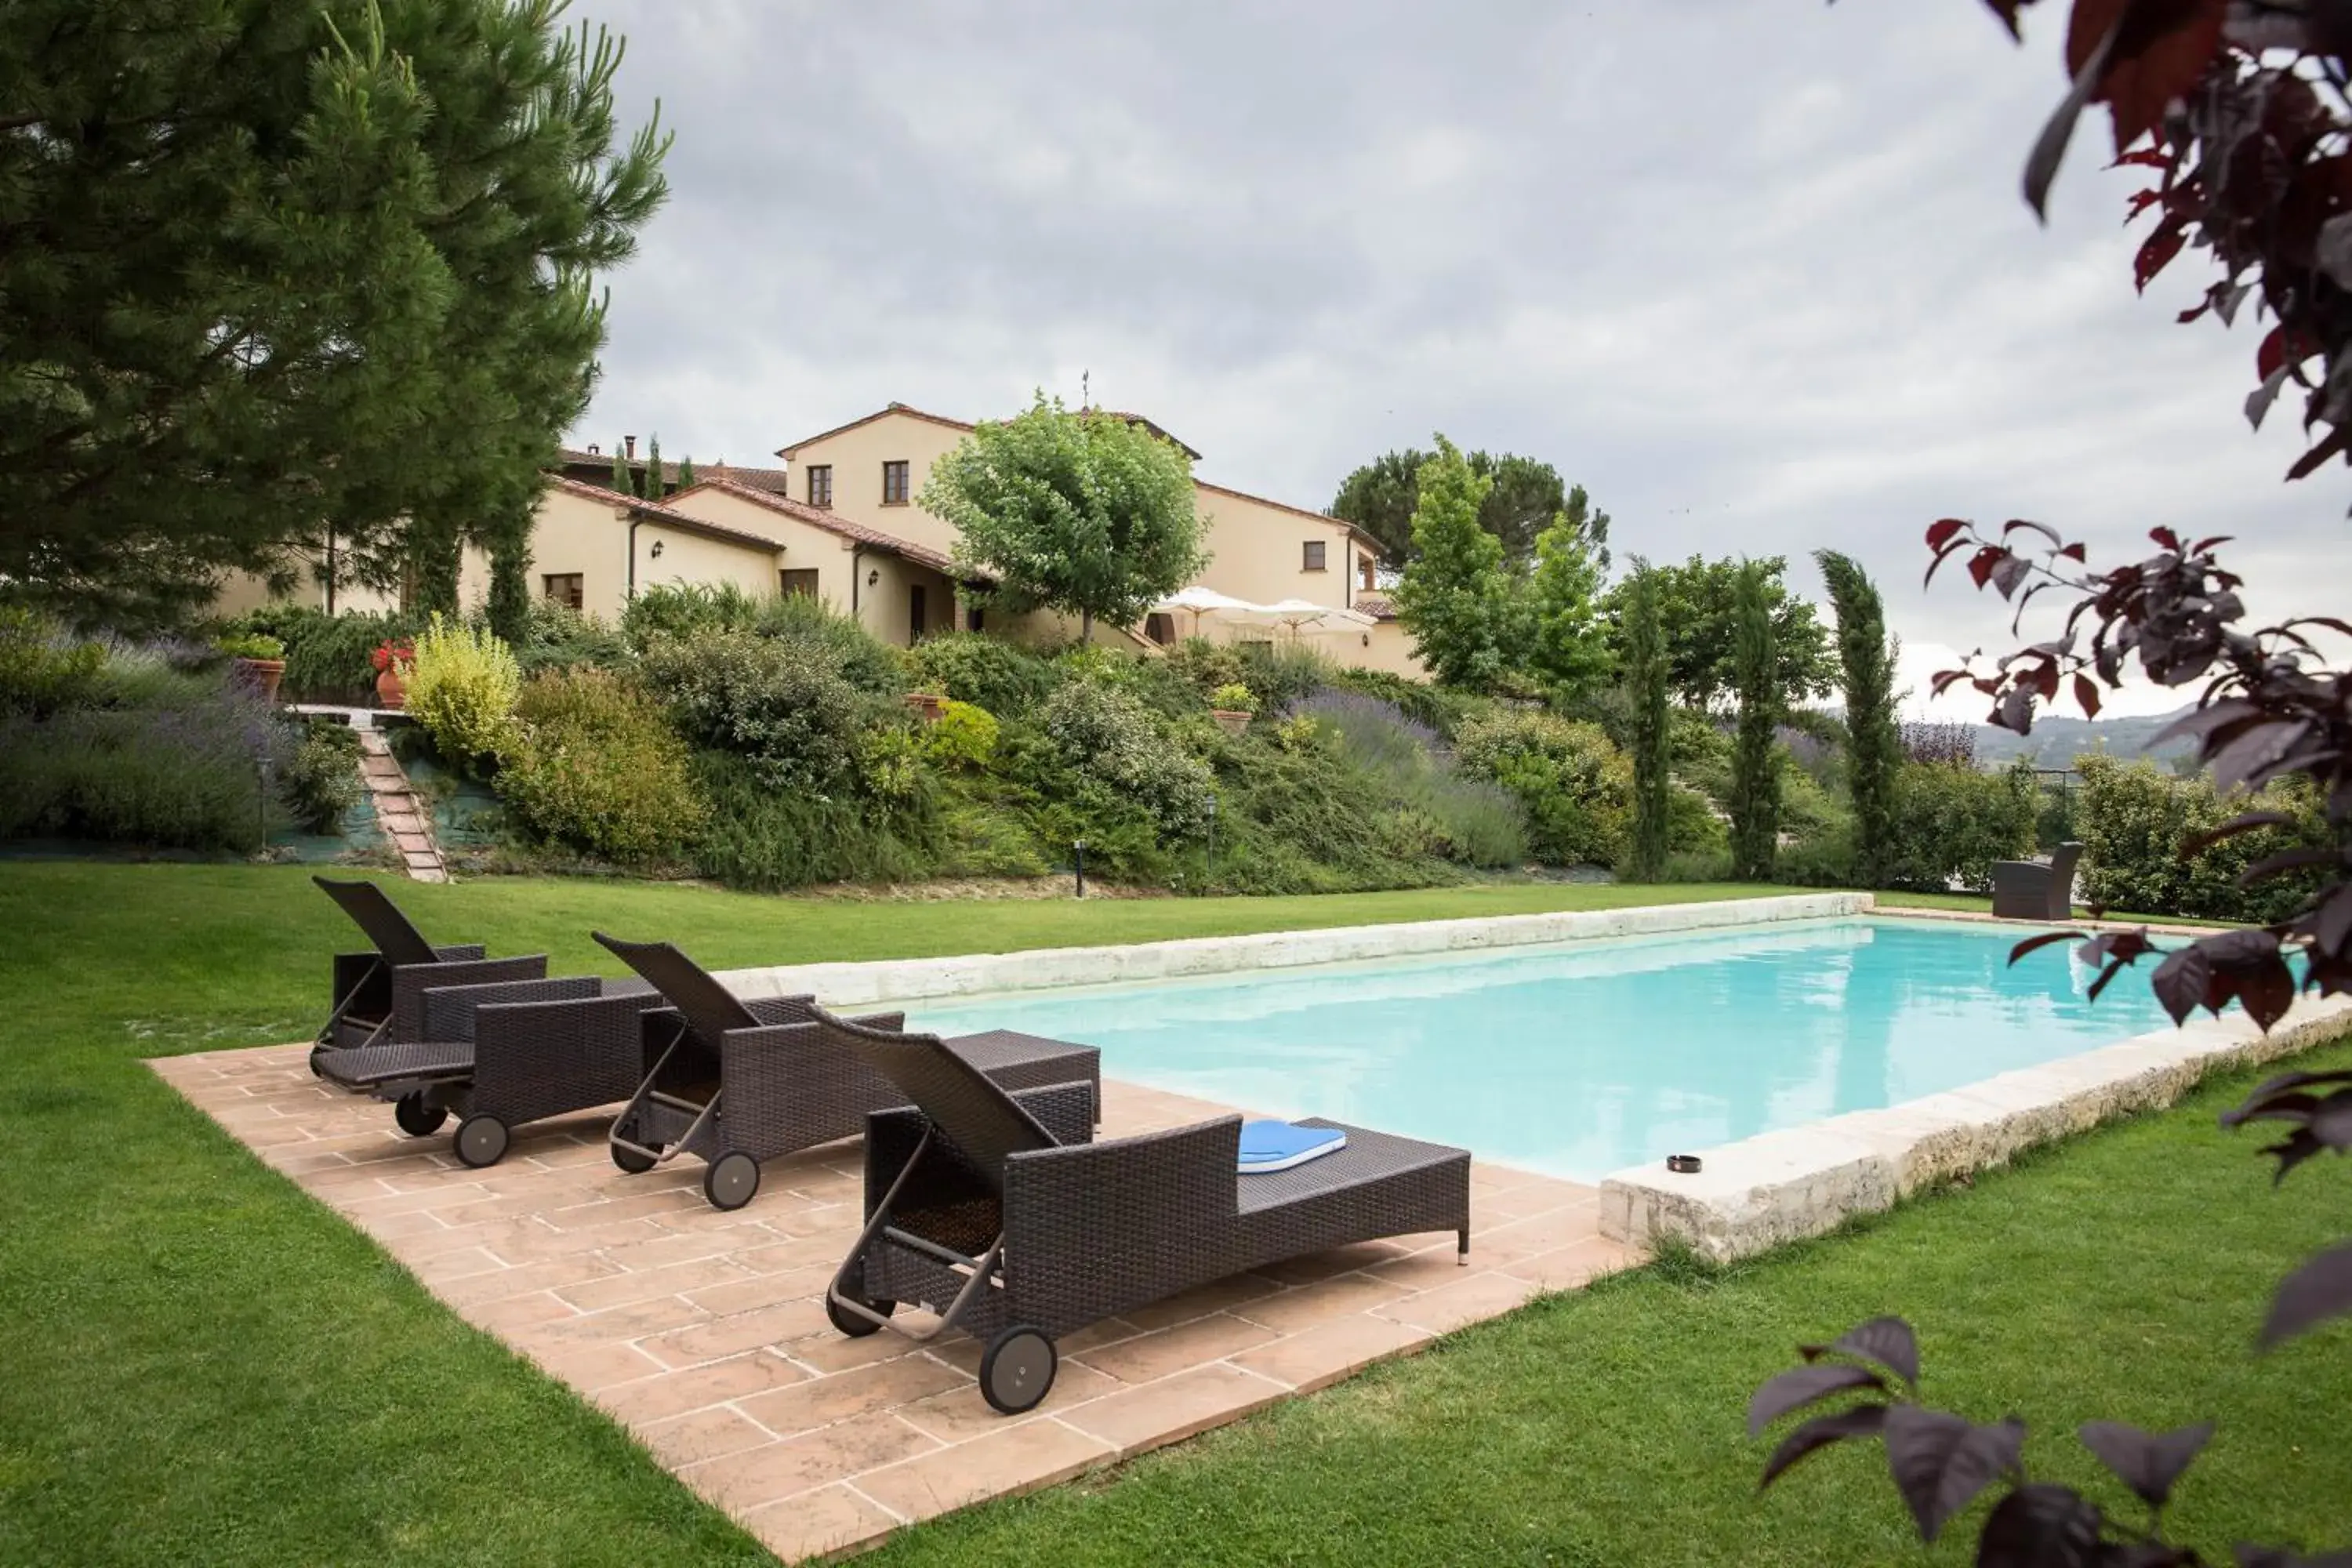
<point>379,996</point>
<point>2036,889</point>
<point>497,1056</point>
<point>997,1212</point>
<point>735,1082</point>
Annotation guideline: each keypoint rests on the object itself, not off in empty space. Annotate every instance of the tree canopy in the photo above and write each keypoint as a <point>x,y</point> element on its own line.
<point>1523,496</point>
<point>269,270</point>
<point>1568,646</point>
<point>1457,599</point>
<point>1873,746</point>
<point>1083,512</point>
<point>1697,607</point>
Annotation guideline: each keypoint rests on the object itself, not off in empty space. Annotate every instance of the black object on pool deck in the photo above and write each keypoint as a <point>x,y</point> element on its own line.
<point>379,996</point>
<point>1683,1164</point>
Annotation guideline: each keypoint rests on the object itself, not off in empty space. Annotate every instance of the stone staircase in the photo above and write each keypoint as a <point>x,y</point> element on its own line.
<point>404,818</point>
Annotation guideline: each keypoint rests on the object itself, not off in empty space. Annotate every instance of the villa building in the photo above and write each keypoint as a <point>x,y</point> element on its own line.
<point>843,520</point>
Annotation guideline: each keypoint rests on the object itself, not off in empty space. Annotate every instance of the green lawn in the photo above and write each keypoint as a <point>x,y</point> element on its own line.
<point>203,1365</point>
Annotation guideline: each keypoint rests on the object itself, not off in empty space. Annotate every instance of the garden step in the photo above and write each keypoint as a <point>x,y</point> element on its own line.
<point>401,815</point>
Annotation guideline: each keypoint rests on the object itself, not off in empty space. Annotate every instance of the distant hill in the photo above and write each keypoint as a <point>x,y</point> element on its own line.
<point>2056,742</point>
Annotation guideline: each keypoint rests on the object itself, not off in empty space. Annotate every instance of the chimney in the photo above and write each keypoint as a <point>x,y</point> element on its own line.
<point>595,450</point>
<point>631,442</point>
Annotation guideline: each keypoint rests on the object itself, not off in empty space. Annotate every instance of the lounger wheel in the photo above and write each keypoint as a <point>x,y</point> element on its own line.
<point>1017,1369</point>
<point>629,1160</point>
<point>731,1181</point>
<point>418,1116</point>
<point>316,1052</point>
<point>850,1323</point>
<point>481,1140</point>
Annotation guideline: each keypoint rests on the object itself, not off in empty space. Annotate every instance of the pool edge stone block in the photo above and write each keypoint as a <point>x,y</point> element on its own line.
<point>1761,1192</point>
<point>935,979</point>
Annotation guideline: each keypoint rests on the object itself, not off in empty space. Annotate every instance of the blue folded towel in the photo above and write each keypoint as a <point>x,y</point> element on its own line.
<point>1278,1145</point>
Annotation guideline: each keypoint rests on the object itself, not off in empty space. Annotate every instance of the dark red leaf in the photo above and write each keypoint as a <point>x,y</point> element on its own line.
<point>2041,1525</point>
<point>2156,253</point>
<point>2286,860</point>
<point>2320,1289</point>
<point>2009,572</point>
<point>2034,944</point>
<point>2182,983</point>
<point>1889,1341</point>
<point>1806,1384</point>
<point>1939,533</point>
<point>1941,1462</point>
<point>1862,1421</point>
<point>2074,552</point>
<point>2330,446</point>
<point>2148,1462</point>
<point>1981,563</point>
<point>2161,48</point>
<point>2087,694</point>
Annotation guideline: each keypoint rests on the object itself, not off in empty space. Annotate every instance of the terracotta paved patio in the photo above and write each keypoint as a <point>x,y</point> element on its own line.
<point>704,1333</point>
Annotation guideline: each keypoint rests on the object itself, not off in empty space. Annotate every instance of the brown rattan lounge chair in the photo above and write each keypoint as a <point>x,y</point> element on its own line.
<point>739,1081</point>
<point>2036,889</point>
<point>379,996</point>
<point>500,1054</point>
<point>998,1212</point>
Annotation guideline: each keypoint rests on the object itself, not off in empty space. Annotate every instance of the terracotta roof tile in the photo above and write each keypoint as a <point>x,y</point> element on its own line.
<point>643,508</point>
<point>832,522</point>
<point>1379,607</point>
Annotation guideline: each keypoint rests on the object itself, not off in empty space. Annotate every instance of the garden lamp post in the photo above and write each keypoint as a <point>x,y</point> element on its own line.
<point>1078,859</point>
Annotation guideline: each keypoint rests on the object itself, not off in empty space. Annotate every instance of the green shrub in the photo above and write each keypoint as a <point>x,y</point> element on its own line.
<point>766,840</point>
<point>983,670</point>
<point>1443,709</point>
<point>462,690</point>
<point>250,644</point>
<point>1952,822</point>
<point>1105,736</point>
<point>1203,665</point>
<point>2134,820</point>
<point>1693,828</point>
<point>1283,673</point>
<point>595,765</point>
<point>963,736</point>
<point>1578,789</point>
<point>322,776</point>
<point>679,610</point>
<point>858,655</point>
<point>1233,698</point>
<point>780,704</point>
<point>42,671</point>
<point>557,637</point>
<point>329,658</point>
<point>891,764</point>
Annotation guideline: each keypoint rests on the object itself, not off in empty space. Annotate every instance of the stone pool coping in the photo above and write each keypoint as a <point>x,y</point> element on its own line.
<point>969,974</point>
<point>1782,1186</point>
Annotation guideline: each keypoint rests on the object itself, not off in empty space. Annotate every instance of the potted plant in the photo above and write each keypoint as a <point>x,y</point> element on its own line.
<point>260,661</point>
<point>1232,705</point>
<point>926,705</point>
<point>392,660</point>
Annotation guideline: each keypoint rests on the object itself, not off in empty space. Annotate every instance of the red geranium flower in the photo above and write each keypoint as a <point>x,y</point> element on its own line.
<point>388,654</point>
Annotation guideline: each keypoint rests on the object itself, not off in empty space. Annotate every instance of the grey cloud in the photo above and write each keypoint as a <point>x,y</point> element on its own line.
<point>1758,275</point>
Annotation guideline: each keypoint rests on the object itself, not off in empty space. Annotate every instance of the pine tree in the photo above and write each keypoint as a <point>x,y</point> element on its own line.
<point>1755,757</point>
<point>212,350</point>
<point>1874,743</point>
<point>1568,646</point>
<point>1456,598</point>
<point>1647,665</point>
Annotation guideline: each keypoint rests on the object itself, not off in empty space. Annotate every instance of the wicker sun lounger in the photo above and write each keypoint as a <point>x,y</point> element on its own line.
<point>996,1211</point>
<point>497,1056</point>
<point>379,996</point>
<point>739,1081</point>
<point>2036,889</point>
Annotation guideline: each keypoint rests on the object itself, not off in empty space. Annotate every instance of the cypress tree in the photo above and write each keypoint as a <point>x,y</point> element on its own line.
<point>652,487</point>
<point>1873,744</point>
<point>686,471</point>
<point>1646,664</point>
<point>621,480</point>
<point>1755,763</point>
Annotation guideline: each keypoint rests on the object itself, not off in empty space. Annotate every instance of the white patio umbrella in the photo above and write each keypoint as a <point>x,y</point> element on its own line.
<point>1202,601</point>
<point>1298,613</point>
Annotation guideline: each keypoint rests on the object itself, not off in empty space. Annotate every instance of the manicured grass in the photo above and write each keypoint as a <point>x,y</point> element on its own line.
<point>203,1365</point>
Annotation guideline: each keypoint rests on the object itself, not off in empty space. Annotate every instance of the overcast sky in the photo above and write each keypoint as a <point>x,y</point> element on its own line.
<point>1755,272</point>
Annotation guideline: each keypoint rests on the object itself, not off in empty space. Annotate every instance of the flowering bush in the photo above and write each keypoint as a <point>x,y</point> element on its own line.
<point>1233,698</point>
<point>400,652</point>
<point>462,689</point>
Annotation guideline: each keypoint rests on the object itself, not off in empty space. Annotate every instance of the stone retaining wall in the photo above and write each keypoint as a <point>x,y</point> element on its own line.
<point>904,980</point>
<point>1782,1186</point>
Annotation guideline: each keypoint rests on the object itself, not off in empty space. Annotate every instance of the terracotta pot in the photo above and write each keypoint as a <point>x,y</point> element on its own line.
<point>263,675</point>
<point>926,705</point>
<point>1231,722</point>
<point>389,688</point>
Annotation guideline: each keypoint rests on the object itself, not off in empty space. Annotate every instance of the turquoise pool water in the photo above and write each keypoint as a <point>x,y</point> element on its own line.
<point>1580,1059</point>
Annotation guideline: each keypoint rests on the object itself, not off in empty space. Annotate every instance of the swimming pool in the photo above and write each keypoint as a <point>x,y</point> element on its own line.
<point>1579,1059</point>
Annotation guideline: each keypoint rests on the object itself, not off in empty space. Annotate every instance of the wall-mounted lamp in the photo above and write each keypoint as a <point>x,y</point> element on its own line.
<point>1368,639</point>
<point>873,577</point>
<point>655,550</point>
